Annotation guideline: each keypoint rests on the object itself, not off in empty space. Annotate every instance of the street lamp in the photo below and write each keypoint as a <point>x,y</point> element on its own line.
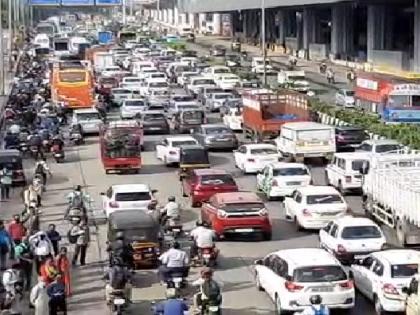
<point>263,42</point>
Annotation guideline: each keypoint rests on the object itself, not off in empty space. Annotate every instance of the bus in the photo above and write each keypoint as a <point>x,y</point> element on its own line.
<point>73,87</point>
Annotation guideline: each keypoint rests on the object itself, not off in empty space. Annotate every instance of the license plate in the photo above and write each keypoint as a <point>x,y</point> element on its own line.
<point>119,301</point>
<point>360,256</point>
<point>293,183</point>
<point>323,289</point>
<point>176,230</point>
<point>177,279</point>
<point>222,140</point>
<point>244,230</point>
<point>148,255</point>
<point>213,308</point>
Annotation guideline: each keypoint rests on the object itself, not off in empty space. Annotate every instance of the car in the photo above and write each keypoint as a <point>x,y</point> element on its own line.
<point>217,51</point>
<point>379,146</point>
<point>350,238</point>
<point>132,107</point>
<point>110,71</point>
<point>184,78</point>
<point>196,84</point>
<point>129,82</point>
<point>155,75</point>
<point>201,184</point>
<point>167,150</point>
<point>176,107</point>
<point>146,72</point>
<point>206,92</point>
<point>233,60</point>
<point>158,97</point>
<point>89,120</point>
<point>118,95</point>
<point>313,207</point>
<point>343,172</point>
<point>382,275</point>
<point>237,213</point>
<point>215,72</point>
<point>291,276</point>
<point>154,122</point>
<point>349,137</point>
<point>154,85</point>
<point>233,119</point>
<point>345,98</point>
<point>217,100</point>
<point>227,81</point>
<point>216,136</point>
<point>258,64</point>
<point>127,197</point>
<point>252,158</point>
<point>281,179</point>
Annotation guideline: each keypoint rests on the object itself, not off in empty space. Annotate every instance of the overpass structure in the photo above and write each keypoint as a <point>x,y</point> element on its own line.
<point>384,33</point>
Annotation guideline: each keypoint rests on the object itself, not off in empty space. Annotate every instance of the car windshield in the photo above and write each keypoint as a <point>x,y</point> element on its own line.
<point>352,133</point>
<point>177,144</point>
<point>187,106</point>
<point>140,235</point>
<point>133,196</point>
<point>153,117</point>
<point>218,71</point>
<point>87,116</point>
<point>360,232</point>
<point>158,75</point>
<point>243,207</point>
<point>192,115</point>
<point>263,151</point>
<point>387,148</point>
<point>121,92</point>
<point>160,93</point>
<point>291,171</point>
<point>108,80</point>
<point>203,82</point>
<point>217,131</point>
<point>222,96</point>
<point>356,165</point>
<point>183,98</point>
<point>217,179</point>
<point>404,270</point>
<point>132,80</point>
<point>319,274</point>
<point>323,199</point>
<point>134,103</point>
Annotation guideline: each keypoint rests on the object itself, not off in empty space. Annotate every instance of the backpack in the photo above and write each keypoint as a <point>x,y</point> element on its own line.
<point>211,290</point>
<point>117,278</point>
<point>321,311</point>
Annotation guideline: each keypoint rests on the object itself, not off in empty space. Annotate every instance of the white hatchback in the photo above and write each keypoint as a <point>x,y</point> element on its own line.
<point>132,107</point>
<point>168,149</point>
<point>291,276</point>
<point>88,119</point>
<point>251,158</point>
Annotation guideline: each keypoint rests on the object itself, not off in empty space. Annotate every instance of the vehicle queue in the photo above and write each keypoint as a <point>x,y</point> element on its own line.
<point>352,251</point>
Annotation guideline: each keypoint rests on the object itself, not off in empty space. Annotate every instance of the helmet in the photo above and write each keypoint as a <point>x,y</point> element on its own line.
<point>206,271</point>
<point>171,199</point>
<point>119,236</point>
<point>176,245</point>
<point>315,299</point>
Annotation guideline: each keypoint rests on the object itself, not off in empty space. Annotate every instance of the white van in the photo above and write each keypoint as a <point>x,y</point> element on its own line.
<point>306,139</point>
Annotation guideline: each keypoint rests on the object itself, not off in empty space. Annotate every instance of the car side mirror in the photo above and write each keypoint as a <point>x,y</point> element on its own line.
<point>259,172</point>
<point>259,262</point>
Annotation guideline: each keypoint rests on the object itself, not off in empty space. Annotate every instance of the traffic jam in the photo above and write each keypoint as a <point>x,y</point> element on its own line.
<point>323,216</point>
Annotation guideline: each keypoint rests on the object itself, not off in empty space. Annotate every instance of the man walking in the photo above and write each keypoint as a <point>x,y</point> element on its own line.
<point>81,231</point>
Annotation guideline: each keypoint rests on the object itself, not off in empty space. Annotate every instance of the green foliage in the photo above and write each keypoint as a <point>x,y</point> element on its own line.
<point>407,134</point>
<point>177,46</point>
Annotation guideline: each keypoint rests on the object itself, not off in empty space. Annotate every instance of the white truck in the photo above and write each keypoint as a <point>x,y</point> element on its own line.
<point>103,60</point>
<point>391,193</point>
<point>294,80</point>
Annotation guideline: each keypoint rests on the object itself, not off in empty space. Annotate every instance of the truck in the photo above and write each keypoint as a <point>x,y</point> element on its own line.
<point>294,80</point>
<point>391,193</point>
<point>100,57</point>
<point>265,111</point>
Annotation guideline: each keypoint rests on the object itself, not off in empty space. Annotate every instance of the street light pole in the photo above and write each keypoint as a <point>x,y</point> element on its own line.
<point>10,26</point>
<point>123,11</point>
<point>1,54</point>
<point>263,44</point>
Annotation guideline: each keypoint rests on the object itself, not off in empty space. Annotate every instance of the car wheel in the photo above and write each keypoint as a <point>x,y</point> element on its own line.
<point>257,282</point>
<point>378,307</point>
<point>277,302</point>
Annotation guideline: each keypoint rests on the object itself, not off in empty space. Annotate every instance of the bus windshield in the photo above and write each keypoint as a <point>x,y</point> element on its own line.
<point>72,77</point>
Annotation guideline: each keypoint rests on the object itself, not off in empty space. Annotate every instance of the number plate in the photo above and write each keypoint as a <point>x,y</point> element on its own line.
<point>213,308</point>
<point>176,230</point>
<point>293,183</point>
<point>244,230</point>
<point>119,301</point>
<point>323,289</point>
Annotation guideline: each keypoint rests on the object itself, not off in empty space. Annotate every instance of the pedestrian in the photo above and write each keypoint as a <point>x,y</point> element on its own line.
<point>11,277</point>
<point>15,303</point>
<point>17,230</point>
<point>57,295</point>
<point>39,298</point>
<point>63,266</point>
<point>42,248</point>
<point>25,257</point>
<point>48,270</point>
<point>81,231</point>
<point>30,197</point>
<point>54,237</point>
<point>6,244</point>
<point>5,182</point>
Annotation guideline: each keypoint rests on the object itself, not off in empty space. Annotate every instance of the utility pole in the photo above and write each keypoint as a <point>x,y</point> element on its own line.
<point>263,44</point>
<point>10,26</point>
<point>1,54</point>
<point>131,7</point>
<point>123,11</point>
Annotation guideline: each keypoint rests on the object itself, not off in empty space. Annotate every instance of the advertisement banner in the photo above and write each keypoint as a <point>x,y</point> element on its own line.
<point>44,2</point>
<point>77,2</point>
<point>108,2</point>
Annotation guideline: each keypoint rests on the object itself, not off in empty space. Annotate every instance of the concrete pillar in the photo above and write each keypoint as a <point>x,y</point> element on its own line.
<point>299,30</point>
<point>191,20</point>
<point>281,24</point>
<point>165,15</point>
<point>375,29</point>
<point>171,16</point>
<point>342,30</point>
<point>176,17</point>
<point>309,27</point>
<point>202,22</point>
<point>217,24</point>
<point>416,36</point>
<point>183,19</point>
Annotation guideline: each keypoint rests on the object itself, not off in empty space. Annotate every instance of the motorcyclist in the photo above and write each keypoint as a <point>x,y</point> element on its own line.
<point>42,168</point>
<point>171,211</point>
<point>317,308</point>
<point>209,290</point>
<point>174,260</point>
<point>203,237</point>
<point>292,60</point>
<point>172,306</point>
<point>57,141</point>
<point>14,129</point>
<point>118,279</point>
<point>76,200</point>
<point>10,140</point>
<point>119,249</point>
<point>34,140</point>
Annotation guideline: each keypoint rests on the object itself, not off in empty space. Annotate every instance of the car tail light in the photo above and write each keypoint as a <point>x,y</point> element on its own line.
<point>341,249</point>
<point>347,285</point>
<point>306,213</point>
<point>274,183</point>
<point>251,160</point>
<point>172,152</point>
<point>348,179</point>
<point>263,212</point>
<point>221,214</point>
<point>292,287</point>
<point>390,289</point>
<point>113,204</point>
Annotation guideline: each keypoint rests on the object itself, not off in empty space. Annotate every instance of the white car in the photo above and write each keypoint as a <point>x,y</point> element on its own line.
<point>147,71</point>
<point>313,207</point>
<point>131,82</point>
<point>132,107</point>
<point>184,78</point>
<point>260,69</point>
<point>154,85</point>
<point>120,94</point>
<point>127,197</point>
<point>351,238</point>
<point>110,71</point>
<point>291,276</point>
<point>88,118</point>
<point>156,75</point>
<point>217,100</point>
<point>141,52</point>
<point>233,119</point>
<point>281,179</point>
<point>345,98</point>
<point>228,81</point>
<point>251,158</point>
<point>168,149</point>
<point>215,72</point>
<point>380,146</point>
<point>198,83</point>
<point>382,275</point>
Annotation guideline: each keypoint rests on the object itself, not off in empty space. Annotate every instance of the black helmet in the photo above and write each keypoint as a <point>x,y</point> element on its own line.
<point>315,299</point>
<point>119,236</point>
<point>171,199</point>
<point>176,245</point>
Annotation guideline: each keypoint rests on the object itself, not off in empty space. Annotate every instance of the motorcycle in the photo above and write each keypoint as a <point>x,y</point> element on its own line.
<point>118,302</point>
<point>174,284</point>
<point>173,227</point>
<point>207,256</point>
<point>75,214</point>
<point>58,153</point>
<point>322,68</point>
<point>211,308</point>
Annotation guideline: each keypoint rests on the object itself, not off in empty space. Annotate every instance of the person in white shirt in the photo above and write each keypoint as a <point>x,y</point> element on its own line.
<point>41,246</point>
<point>10,278</point>
<point>203,237</point>
<point>173,261</point>
<point>171,211</point>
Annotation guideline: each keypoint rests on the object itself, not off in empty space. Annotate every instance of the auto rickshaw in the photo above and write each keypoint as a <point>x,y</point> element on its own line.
<point>142,230</point>
<point>192,157</point>
<point>188,119</point>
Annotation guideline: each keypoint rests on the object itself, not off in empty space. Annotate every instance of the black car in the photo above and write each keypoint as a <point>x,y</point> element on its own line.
<point>154,122</point>
<point>217,51</point>
<point>349,138</point>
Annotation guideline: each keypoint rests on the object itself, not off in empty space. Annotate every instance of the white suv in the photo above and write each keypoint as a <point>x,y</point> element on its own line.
<point>381,276</point>
<point>291,276</point>
<point>351,238</point>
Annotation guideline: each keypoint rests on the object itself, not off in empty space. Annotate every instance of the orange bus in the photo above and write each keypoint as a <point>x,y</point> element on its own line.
<point>74,87</point>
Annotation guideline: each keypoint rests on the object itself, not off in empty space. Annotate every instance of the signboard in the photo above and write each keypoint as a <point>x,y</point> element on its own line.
<point>44,2</point>
<point>405,89</point>
<point>77,2</point>
<point>108,2</point>
<point>367,84</point>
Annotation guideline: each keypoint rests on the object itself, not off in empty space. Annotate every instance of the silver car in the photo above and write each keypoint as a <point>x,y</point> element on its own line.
<point>216,136</point>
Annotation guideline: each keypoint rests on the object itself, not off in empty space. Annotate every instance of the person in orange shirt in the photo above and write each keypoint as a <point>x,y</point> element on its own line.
<point>63,266</point>
<point>48,271</point>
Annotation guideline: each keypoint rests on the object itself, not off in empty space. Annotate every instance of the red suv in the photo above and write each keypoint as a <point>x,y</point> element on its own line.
<point>237,213</point>
<point>201,184</point>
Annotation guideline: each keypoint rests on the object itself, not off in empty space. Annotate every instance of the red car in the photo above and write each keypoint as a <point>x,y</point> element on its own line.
<point>237,213</point>
<point>201,184</point>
